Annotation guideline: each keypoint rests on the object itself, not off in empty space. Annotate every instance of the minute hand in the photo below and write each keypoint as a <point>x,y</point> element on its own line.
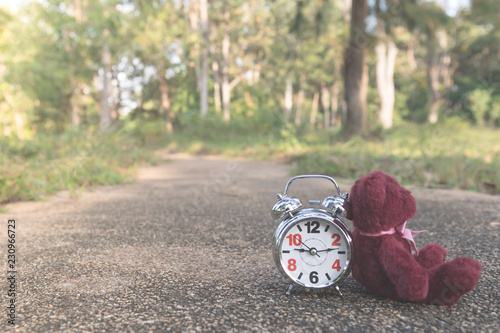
<point>328,250</point>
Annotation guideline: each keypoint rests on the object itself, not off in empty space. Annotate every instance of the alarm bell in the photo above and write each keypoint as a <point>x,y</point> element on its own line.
<point>284,206</point>
<point>336,204</point>
<point>288,205</point>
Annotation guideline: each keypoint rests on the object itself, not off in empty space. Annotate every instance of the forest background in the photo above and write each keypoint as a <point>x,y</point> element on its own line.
<point>90,89</point>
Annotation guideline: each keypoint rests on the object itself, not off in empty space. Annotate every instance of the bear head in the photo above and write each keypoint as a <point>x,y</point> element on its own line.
<point>377,202</point>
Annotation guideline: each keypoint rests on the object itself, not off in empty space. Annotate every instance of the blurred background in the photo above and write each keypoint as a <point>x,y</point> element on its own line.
<point>90,90</point>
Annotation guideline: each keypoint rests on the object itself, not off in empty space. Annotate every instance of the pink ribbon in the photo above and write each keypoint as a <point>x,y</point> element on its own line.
<point>401,230</point>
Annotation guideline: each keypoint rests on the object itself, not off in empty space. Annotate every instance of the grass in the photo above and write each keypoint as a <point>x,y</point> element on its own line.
<point>33,169</point>
<point>448,155</point>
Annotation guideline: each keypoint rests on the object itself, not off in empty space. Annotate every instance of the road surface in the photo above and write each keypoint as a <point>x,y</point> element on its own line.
<point>187,248</point>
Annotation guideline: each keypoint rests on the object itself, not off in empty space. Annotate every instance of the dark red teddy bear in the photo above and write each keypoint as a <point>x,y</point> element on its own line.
<point>379,208</point>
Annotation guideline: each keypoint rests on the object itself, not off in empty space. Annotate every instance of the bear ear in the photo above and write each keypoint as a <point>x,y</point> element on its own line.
<point>375,189</point>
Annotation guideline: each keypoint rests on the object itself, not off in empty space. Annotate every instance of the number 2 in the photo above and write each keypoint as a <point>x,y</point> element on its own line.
<point>336,240</point>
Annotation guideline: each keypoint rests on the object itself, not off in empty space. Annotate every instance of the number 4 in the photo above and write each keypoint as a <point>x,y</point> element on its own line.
<point>336,265</point>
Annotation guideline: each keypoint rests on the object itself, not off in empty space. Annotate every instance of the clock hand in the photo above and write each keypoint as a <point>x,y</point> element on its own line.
<point>310,251</point>
<point>328,250</point>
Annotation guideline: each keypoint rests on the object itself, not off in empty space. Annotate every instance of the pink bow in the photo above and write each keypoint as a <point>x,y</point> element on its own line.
<point>400,229</point>
<point>408,234</point>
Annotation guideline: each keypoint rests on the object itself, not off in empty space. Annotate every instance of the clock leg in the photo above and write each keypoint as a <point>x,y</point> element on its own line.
<point>338,289</point>
<point>289,290</point>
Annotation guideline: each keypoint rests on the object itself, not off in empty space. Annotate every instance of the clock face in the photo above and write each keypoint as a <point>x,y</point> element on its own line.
<point>315,252</point>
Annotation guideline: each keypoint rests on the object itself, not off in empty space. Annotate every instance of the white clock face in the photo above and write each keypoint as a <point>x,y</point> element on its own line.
<point>314,253</point>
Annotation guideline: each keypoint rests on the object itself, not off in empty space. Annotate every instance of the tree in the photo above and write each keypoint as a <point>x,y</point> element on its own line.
<point>158,46</point>
<point>356,71</point>
<point>205,31</point>
<point>386,52</point>
<point>430,19</point>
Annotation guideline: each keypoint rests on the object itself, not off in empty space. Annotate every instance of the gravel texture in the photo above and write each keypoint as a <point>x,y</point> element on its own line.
<point>187,248</point>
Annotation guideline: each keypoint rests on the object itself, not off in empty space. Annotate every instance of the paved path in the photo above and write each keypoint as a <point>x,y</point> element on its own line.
<point>187,248</point>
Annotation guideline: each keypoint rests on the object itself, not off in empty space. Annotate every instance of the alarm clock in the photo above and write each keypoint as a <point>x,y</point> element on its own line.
<point>312,247</point>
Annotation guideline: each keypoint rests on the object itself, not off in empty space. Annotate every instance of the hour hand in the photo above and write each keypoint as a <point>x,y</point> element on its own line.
<point>328,250</point>
<point>301,250</point>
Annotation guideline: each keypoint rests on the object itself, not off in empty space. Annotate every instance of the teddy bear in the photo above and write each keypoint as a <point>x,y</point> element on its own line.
<point>379,208</point>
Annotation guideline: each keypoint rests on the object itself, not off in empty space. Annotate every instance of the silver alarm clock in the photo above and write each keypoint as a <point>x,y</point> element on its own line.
<point>312,247</point>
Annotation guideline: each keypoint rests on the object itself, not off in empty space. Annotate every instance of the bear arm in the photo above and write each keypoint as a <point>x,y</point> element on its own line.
<point>408,277</point>
<point>430,256</point>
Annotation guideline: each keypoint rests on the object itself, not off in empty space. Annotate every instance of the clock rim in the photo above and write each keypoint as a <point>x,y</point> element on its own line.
<point>304,214</point>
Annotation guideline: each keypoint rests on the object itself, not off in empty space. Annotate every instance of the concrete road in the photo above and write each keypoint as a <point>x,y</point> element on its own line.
<point>187,248</point>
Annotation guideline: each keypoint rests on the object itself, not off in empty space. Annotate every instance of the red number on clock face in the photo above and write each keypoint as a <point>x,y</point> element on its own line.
<point>336,240</point>
<point>336,265</point>
<point>292,265</point>
<point>294,239</point>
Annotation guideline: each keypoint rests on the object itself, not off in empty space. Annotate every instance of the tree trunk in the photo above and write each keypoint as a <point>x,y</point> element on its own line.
<point>325,103</point>
<point>115,96</point>
<point>314,110</point>
<point>217,99</point>
<point>356,73</point>
<point>386,52</point>
<point>434,93</point>
<point>288,99</point>
<point>226,89</point>
<point>335,102</point>
<point>193,13</point>
<point>74,105</point>
<point>78,14</point>
<point>300,102</point>
<point>165,101</point>
<point>105,116</point>
<point>446,69</point>
<point>205,29</point>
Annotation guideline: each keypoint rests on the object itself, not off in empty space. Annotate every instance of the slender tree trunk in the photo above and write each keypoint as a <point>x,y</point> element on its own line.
<point>105,116</point>
<point>217,99</point>
<point>434,93</point>
<point>356,73</point>
<point>205,29</point>
<point>74,102</point>
<point>288,99</point>
<point>165,102</point>
<point>193,13</point>
<point>115,96</point>
<point>300,102</point>
<point>386,52</point>
<point>226,89</point>
<point>78,14</point>
<point>446,69</point>
<point>335,102</point>
<point>314,110</point>
<point>75,105</point>
<point>325,103</point>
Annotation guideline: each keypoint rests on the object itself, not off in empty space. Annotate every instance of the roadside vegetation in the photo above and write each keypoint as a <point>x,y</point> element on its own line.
<point>452,154</point>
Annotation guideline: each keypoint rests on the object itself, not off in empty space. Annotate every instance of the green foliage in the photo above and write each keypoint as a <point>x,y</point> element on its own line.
<point>73,161</point>
<point>479,100</point>
<point>441,155</point>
